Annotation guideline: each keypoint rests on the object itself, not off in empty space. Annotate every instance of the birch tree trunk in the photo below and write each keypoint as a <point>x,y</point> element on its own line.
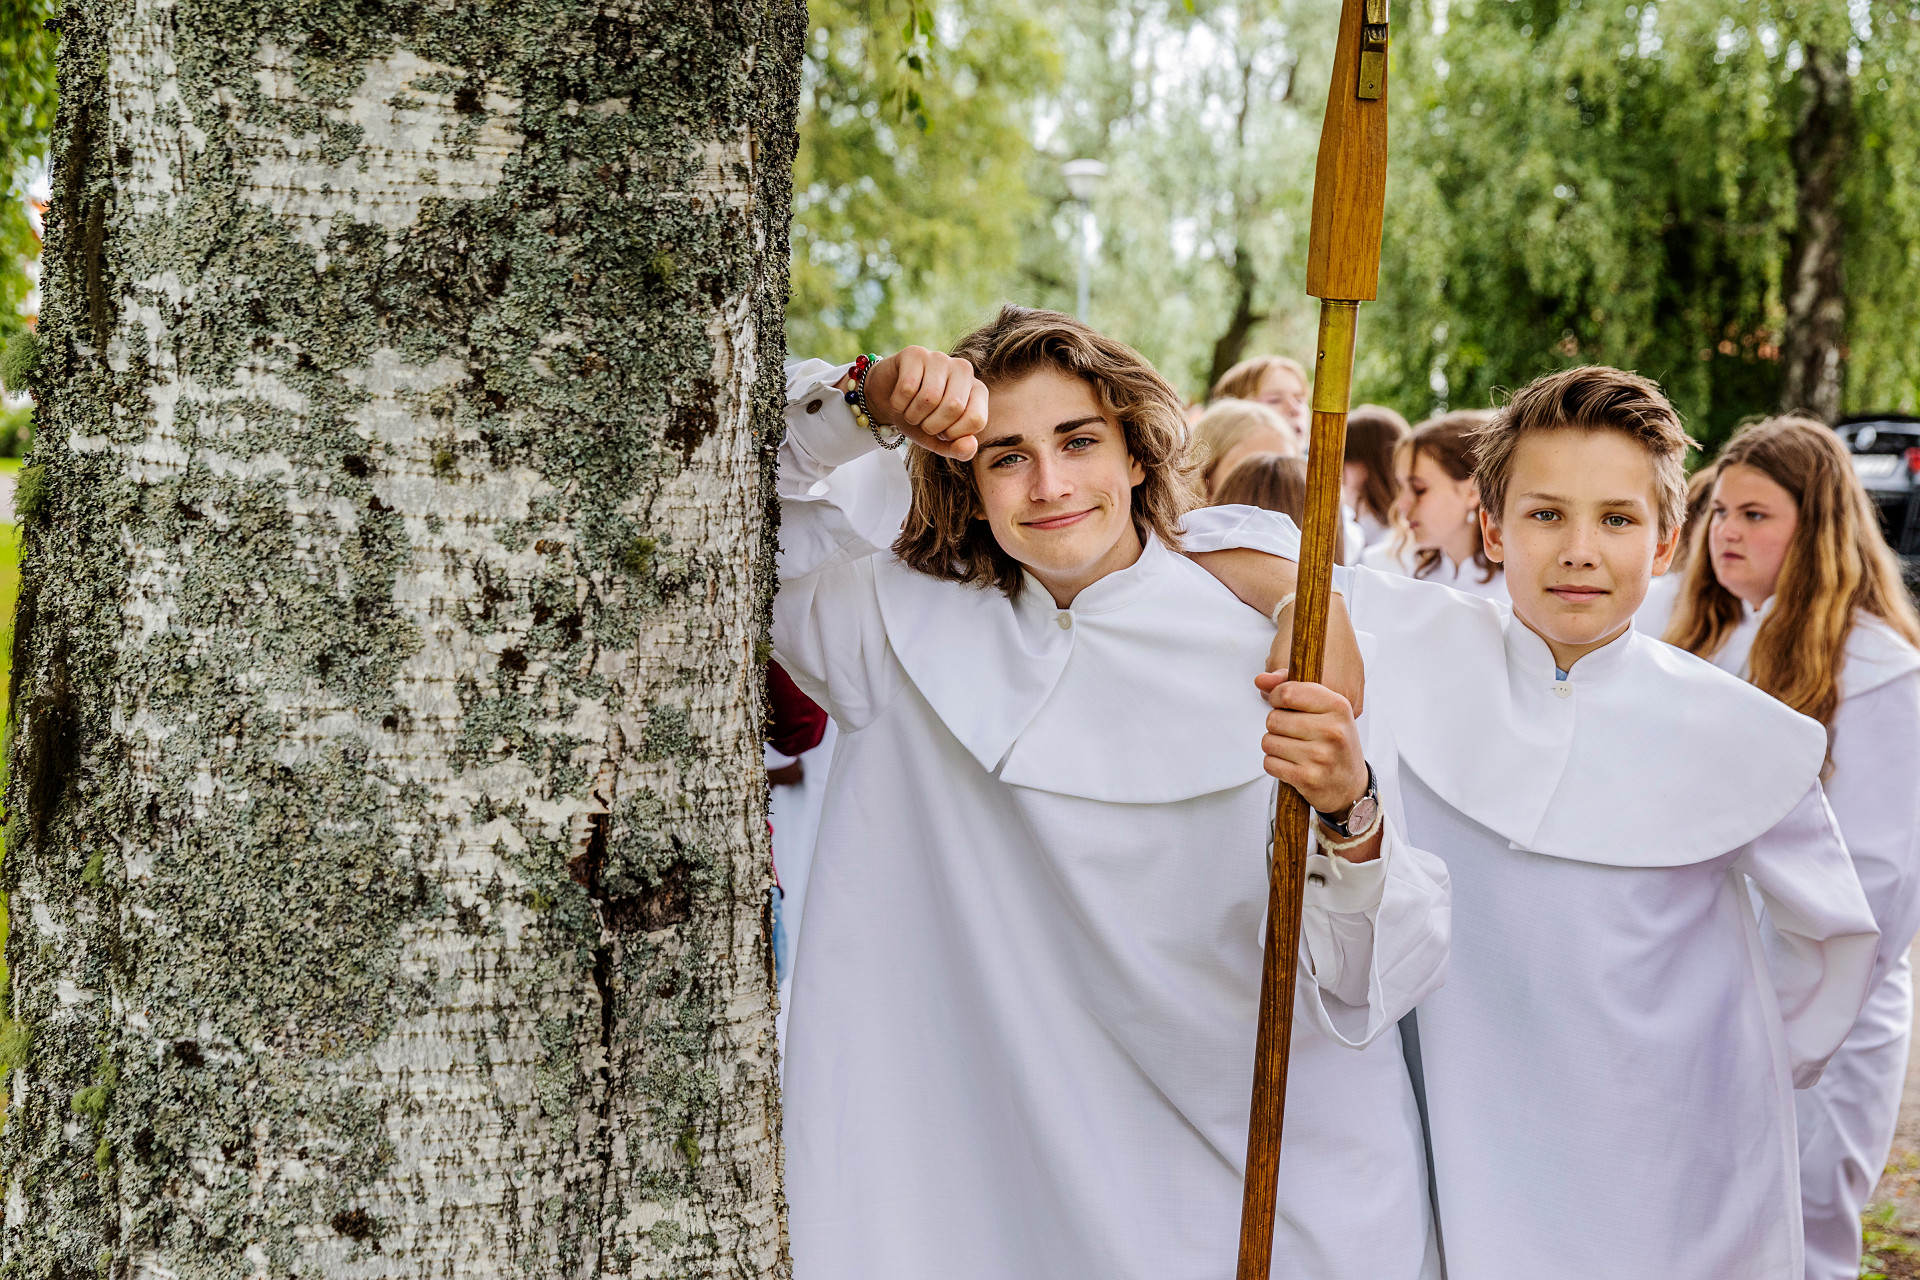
<point>387,850</point>
<point>1813,346</point>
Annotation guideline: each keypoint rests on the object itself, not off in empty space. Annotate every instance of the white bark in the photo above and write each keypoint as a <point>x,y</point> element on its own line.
<point>427,935</point>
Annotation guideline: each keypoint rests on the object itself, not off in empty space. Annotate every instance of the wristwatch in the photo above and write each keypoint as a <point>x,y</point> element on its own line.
<point>1360,817</point>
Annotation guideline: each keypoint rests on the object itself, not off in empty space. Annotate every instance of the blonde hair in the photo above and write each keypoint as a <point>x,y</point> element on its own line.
<point>1837,566</point>
<point>1590,398</point>
<point>1227,425</point>
<point>944,535</point>
<point>1242,382</point>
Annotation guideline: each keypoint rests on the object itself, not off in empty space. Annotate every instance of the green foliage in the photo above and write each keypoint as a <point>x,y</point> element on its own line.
<point>16,431</point>
<point>1207,115</point>
<point>26,117</point>
<point>20,360</point>
<point>910,187</point>
<point>16,1045</point>
<point>30,495</point>
<point>1580,183</point>
<point>92,1101</point>
<point>637,559</point>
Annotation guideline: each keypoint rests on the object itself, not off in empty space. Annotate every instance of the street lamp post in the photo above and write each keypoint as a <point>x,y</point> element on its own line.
<point>1083,180</point>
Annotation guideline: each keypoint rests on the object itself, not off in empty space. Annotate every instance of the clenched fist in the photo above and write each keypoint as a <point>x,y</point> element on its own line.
<point>931,398</point>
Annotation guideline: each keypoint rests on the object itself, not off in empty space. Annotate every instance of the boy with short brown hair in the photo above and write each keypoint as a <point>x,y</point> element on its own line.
<point>1609,1069</point>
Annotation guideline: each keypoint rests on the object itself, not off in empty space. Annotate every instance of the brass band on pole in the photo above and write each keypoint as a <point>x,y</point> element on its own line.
<point>1333,358</point>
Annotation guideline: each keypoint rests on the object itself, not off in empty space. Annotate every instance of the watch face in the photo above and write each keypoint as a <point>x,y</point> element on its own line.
<point>1362,816</point>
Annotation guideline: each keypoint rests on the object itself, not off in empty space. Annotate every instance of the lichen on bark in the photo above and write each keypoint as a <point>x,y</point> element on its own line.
<point>387,850</point>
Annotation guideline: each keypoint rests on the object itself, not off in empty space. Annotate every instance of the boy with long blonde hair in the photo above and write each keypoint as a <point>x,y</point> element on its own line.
<point>1021,1042</point>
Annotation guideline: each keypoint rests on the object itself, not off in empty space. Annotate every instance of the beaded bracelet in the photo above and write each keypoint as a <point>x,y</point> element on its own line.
<point>857,401</point>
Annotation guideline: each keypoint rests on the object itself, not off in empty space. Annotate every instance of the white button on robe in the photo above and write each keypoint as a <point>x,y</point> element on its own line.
<point>1021,1039</point>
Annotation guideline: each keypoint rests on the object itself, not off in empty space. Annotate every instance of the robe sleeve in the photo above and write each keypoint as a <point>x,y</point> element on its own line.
<point>1373,938</point>
<point>1818,933</point>
<point>1245,528</point>
<point>1374,935</point>
<point>1876,760</point>
<point>842,500</point>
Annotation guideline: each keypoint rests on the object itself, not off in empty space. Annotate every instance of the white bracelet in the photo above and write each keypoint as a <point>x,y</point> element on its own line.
<point>1280,608</point>
<point>1320,833</point>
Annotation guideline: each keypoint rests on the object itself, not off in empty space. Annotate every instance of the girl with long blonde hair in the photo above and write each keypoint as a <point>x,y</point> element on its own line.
<point>1790,584</point>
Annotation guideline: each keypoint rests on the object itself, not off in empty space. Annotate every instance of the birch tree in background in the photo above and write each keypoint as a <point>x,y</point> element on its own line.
<point>386,844</point>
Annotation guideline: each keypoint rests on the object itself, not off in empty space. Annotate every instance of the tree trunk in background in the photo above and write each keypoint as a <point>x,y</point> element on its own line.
<point>388,856</point>
<point>1813,347</point>
<point>1231,345</point>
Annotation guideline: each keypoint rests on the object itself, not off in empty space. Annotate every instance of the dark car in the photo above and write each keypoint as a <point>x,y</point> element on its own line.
<point>1886,457</point>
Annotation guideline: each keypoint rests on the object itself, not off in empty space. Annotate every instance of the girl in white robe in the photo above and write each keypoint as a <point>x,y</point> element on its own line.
<point>1610,1068</point>
<point>1437,512</point>
<point>1024,1005</point>
<point>1766,593</point>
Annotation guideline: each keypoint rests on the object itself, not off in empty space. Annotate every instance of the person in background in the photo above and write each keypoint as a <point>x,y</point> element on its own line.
<point>1231,431</point>
<point>799,750</point>
<point>1369,486</point>
<point>1438,538</point>
<point>1273,481</point>
<point>1278,382</point>
<point>1664,591</point>
<point>1791,586</point>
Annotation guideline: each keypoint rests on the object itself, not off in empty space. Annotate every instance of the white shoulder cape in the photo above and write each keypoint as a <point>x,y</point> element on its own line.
<point>1159,653</point>
<point>1645,756</point>
<point>1876,656</point>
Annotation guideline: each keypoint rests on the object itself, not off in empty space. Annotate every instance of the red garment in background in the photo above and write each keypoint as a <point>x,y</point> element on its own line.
<point>798,721</point>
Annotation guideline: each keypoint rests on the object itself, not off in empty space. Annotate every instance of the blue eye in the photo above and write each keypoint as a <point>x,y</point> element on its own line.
<point>1081,442</point>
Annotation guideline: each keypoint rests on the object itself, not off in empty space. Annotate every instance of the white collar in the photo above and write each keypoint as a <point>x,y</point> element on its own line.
<point>1644,756</point>
<point>1145,696</point>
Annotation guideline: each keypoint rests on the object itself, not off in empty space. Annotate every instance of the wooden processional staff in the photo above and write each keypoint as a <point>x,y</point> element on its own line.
<point>1343,270</point>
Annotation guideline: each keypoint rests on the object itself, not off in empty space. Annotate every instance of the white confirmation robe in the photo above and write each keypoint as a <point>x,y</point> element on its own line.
<point>1846,1121</point>
<point>1021,1039</point>
<point>1610,1067</point>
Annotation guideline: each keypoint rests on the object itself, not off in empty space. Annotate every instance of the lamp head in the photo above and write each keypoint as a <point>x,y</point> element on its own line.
<point>1083,178</point>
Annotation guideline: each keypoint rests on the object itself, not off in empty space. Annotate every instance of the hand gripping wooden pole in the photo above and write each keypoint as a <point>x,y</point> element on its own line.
<point>1343,270</point>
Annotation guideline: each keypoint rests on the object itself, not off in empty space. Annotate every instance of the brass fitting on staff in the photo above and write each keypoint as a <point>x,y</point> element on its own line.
<point>1333,357</point>
<point>1373,52</point>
